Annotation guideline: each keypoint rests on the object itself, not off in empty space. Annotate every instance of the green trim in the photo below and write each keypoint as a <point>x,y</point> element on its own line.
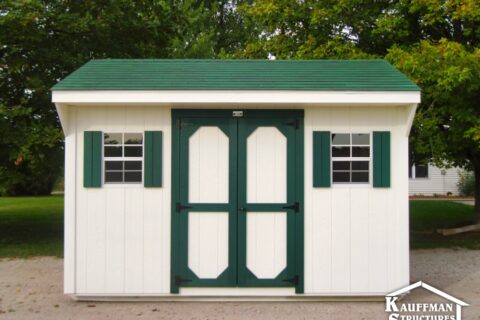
<point>300,216</point>
<point>153,159</point>
<point>185,128</point>
<point>246,127</point>
<point>321,159</point>
<point>381,159</point>
<point>92,159</point>
<point>175,234</point>
<point>185,123</point>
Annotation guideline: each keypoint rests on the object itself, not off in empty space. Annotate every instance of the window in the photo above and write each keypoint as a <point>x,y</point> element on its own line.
<point>350,158</point>
<point>123,157</point>
<point>418,171</point>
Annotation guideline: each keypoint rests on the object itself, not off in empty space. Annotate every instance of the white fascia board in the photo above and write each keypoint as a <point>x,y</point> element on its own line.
<point>255,96</point>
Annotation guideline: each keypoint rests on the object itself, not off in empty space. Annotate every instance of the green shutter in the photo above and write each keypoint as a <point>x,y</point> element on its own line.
<point>153,159</point>
<point>321,159</point>
<point>92,159</point>
<point>381,159</point>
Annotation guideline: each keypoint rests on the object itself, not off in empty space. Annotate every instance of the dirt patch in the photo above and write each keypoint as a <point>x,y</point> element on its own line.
<point>32,289</point>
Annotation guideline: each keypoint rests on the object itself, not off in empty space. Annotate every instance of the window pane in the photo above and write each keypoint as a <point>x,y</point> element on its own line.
<point>113,177</point>
<point>341,138</point>
<point>421,171</point>
<point>360,138</point>
<point>360,165</point>
<point>341,165</point>
<point>361,151</point>
<point>133,138</point>
<point>359,176</point>
<point>340,151</point>
<point>133,165</point>
<point>133,176</point>
<point>341,176</point>
<point>113,165</point>
<point>133,151</point>
<point>113,152</point>
<point>112,138</point>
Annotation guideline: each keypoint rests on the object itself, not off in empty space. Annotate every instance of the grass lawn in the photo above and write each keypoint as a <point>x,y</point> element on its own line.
<point>428,215</point>
<point>31,226</point>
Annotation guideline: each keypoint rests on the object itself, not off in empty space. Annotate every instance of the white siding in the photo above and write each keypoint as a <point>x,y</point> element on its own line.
<point>436,183</point>
<point>122,231</point>
<point>356,237</point>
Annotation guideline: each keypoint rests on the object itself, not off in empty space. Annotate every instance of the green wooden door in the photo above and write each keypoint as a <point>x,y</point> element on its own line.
<point>237,190</point>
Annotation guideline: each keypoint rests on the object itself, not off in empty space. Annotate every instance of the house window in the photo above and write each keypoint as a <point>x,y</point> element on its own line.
<point>350,158</point>
<point>418,171</point>
<point>123,157</point>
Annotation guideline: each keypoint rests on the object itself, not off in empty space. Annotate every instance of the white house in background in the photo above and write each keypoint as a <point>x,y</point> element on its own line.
<point>429,180</point>
<point>250,178</point>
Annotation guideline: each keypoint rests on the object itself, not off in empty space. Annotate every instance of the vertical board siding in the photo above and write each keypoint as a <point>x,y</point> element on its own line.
<point>266,166</point>
<point>356,237</point>
<point>208,165</point>
<point>122,231</point>
<point>266,243</point>
<point>208,243</point>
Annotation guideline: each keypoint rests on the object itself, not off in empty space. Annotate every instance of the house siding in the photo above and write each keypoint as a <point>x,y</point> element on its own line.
<point>436,183</point>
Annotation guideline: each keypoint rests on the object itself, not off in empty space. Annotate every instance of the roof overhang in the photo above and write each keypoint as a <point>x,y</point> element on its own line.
<point>235,96</point>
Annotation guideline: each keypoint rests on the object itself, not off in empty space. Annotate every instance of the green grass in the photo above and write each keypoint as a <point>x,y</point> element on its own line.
<point>31,226</point>
<point>426,216</point>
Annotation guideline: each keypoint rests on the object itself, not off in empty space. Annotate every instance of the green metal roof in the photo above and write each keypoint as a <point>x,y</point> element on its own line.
<point>158,74</point>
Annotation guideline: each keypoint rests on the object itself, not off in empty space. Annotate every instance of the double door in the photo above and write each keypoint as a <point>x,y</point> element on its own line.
<point>237,181</point>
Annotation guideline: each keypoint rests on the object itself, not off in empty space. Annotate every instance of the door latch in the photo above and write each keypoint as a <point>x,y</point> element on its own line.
<point>179,207</point>
<point>295,207</point>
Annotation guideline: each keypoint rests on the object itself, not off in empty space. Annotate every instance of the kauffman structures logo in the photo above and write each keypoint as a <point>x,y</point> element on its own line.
<point>451,309</point>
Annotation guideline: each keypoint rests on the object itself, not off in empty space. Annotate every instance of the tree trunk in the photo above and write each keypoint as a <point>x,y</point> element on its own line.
<point>476,193</point>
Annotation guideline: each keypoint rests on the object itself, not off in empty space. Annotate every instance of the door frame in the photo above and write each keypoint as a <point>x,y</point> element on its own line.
<point>177,115</point>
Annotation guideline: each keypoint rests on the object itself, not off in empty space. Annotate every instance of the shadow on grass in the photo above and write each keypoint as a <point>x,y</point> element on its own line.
<point>426,216</point>
<point>31,226</point>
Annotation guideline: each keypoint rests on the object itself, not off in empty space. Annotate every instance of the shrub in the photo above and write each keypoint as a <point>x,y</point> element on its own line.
<point>466,184</point>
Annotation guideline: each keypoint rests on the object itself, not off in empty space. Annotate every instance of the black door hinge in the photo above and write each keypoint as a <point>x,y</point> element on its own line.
<point>295,123</point>
<point>293,280</point>
<point>295,207</point>
<point>179,207</point>
<point>179,280</point>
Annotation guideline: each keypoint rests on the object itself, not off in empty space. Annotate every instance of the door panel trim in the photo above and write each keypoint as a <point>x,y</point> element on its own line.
<point>225,279</point>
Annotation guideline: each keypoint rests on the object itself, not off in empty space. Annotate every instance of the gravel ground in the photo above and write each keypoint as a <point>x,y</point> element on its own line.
<point>32,289</point>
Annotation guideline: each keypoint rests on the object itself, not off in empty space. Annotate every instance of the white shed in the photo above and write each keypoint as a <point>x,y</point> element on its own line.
<point>247,178</point>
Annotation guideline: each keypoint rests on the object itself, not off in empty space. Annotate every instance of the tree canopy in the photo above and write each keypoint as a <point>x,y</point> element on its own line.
<point>435,42</point>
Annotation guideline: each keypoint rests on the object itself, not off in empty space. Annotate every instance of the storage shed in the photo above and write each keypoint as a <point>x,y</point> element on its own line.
<point>236,178</point>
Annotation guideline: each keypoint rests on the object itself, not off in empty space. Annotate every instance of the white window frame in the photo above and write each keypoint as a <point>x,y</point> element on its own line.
<point>352,159</point>
<point>123,158</point>
<point>414,172</point>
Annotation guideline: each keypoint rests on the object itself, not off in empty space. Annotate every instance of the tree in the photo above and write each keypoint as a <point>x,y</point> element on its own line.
<point>447,124</point>
<point>42,41</point>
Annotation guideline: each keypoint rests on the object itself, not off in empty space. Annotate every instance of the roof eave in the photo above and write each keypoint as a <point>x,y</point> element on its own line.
<point>235,96</point>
